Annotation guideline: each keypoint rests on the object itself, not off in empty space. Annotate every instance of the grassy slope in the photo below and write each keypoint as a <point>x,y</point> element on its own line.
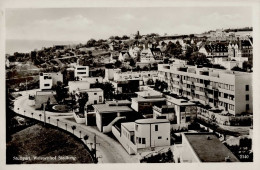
<point>45,141</point>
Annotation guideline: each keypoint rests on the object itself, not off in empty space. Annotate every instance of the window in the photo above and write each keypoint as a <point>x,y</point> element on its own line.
<point>247,106</point>
<point>46,85</point>
<point>159,137</point>
<point>231,87</point>
<point>82,73</point>
<point>95,93</point>
<point>100,98</point>
<point>247,87</point>
<point>140,140</point>
<point>143,140</point>
<point>156,127</point>
<point>226,86</point>
<point>247,97</point>
<point>225,95</point>
<point>82,68</point>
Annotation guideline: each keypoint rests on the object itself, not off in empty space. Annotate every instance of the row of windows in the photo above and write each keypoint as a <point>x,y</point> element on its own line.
<point>155,127</point>
<point>140,140</point>
<point>81,72</point>
<point>82,68</point>
<point>201,81</point>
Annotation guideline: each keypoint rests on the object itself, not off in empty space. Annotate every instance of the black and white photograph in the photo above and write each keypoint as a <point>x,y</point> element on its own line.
<point>107,84</point>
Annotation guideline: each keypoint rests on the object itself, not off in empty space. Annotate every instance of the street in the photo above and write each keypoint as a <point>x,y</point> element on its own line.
<point>108,149</point>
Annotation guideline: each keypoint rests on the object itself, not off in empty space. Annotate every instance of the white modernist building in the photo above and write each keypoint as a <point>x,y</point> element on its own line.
<point>228,90</point>
<point>47,80</point>
<point>143,134</point>
<point>81,72</point>
<point>95,95</point>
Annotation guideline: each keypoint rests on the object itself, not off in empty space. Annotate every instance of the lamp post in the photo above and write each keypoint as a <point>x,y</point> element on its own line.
<point>66,126</point>
<point>32,115</point>
<point>24,112</point>
<point>57,122</point>
<point>44,114</point>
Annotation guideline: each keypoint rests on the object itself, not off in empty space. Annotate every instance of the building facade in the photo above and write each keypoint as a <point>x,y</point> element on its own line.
<point>143,134</point>
<point>81,72</point>
<point>227,90</point>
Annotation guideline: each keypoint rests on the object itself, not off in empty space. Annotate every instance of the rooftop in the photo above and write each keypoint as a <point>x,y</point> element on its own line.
<point>91,90</point>
<point>129,126</point>
<point>104,108</point>
<point>209,150</point>
<point>180,102</point>
<point>151,121</point>
<point>141,99</point>
<point>149,93</point>
<point>118,102</point>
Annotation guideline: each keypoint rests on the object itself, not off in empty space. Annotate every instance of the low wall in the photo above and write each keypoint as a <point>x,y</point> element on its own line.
<point>78,119</point>
<point>179,126</point>
<point>128,146</point>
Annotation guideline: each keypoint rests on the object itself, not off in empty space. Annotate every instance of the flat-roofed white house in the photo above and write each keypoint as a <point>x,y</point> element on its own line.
<point>107,115</point>
<point>202,147</point>
<point>184,109</point>
<point>47,80</point>
<point>95,95</point>
<point>145,101</point>
<point>143,134</point>
<point>81,72</point>
<point>109,73</point>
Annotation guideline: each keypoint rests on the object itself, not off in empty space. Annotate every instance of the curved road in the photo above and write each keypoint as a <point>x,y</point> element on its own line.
<point>108,149</point>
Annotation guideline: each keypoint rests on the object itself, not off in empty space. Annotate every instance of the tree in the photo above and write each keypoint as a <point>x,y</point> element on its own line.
<point>174,49</point>
<point>150,82</point>
<point>91,43</point>
<point>118,63</point>
<point>123,69</point>
<point>125,37</point>
<point>61,92</point>
<point>108,89</point>
<point>85,138</point>
<point>198,59</point>
<point>247,65</point>
<point>73,128</point>
<point>83,99</point>
<point>132,62</point>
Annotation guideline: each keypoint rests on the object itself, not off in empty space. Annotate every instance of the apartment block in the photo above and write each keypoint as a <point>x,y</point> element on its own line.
<point>228,90</point>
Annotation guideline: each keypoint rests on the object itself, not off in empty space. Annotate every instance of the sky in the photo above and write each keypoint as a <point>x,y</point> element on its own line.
<point>81,24</point>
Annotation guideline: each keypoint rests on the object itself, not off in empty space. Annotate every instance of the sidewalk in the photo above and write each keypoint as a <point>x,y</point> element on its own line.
<point>108,149</point>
